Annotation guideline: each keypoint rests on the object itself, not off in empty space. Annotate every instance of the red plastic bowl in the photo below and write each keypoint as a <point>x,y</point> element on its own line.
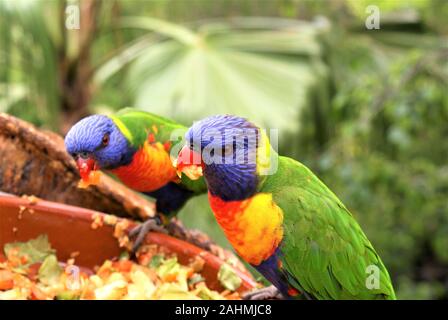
<point>69,230</point>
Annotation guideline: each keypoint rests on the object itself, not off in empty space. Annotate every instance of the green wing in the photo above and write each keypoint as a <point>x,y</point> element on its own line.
<point>324,251</point>
<point>140,124</point>
<point>136,125</point>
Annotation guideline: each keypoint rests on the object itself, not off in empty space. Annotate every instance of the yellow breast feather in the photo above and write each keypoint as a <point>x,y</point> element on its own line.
<point>252,226</point>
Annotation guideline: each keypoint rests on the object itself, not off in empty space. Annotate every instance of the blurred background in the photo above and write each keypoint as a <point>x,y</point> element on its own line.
<point>367,110</point>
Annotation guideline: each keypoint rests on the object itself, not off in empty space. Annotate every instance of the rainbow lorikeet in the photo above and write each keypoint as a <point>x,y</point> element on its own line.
<point>134,146</point>
<point>284,222</point>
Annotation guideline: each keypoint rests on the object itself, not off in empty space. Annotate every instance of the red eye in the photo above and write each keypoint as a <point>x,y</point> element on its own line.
<point>105,140</point>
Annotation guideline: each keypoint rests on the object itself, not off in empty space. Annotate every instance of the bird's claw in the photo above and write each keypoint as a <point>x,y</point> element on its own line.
<point>176,229</point>
<point>267,293</point>
<point>139,232</point>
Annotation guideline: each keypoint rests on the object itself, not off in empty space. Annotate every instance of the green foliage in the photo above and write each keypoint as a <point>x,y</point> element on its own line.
<point>184,72</point>
<point>359,6</point>
<point>387,158</point>
<point>27,56</point>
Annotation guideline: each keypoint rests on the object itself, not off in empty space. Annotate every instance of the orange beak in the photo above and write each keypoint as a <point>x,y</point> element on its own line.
<point>189,162</point>
<point>85,166</point>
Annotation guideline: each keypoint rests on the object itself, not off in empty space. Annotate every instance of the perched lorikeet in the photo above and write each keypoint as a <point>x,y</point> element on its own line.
<point>285,222</point>
<point>135,147</point>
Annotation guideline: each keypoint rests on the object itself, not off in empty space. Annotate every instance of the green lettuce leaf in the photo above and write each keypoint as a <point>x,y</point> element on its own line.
<point>228,277</point>
<point>50,270</point>
<point>36,250</point>
<point>167,267</point>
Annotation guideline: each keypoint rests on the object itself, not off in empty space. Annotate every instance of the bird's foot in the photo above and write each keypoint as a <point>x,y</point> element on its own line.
<point>176,229</point>
<point>267,293</point>
<point>139,232</point>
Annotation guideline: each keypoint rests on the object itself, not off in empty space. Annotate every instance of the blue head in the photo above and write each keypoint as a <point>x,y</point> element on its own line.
<point>97,141</point>
<point>226,146</point>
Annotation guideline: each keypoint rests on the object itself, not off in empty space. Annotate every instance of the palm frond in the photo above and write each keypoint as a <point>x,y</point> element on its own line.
<point>246,67</point>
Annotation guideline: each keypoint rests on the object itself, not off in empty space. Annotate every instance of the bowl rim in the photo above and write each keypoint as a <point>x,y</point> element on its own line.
<point>86,215</point>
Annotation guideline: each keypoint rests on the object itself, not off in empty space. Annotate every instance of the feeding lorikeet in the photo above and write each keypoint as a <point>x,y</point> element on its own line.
<point>286,223</point>
<point>134,146</point>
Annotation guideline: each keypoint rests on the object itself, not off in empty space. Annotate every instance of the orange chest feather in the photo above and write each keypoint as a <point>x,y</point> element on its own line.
<point>252,226</point>
<point>150,169</point>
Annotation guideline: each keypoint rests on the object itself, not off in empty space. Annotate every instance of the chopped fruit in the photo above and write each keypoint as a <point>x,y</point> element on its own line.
<point>97,221</point>
<point>6,280</point>
<point>92,178</point>
<point>31,199</point>
<point>121,233</point>
<point>198,264</point>
<point>156,275</point>
<point>37,294</point>
<point>193,172</point>
<point>123,265</point>
<point>188,162</point>
<point>110,220</point>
